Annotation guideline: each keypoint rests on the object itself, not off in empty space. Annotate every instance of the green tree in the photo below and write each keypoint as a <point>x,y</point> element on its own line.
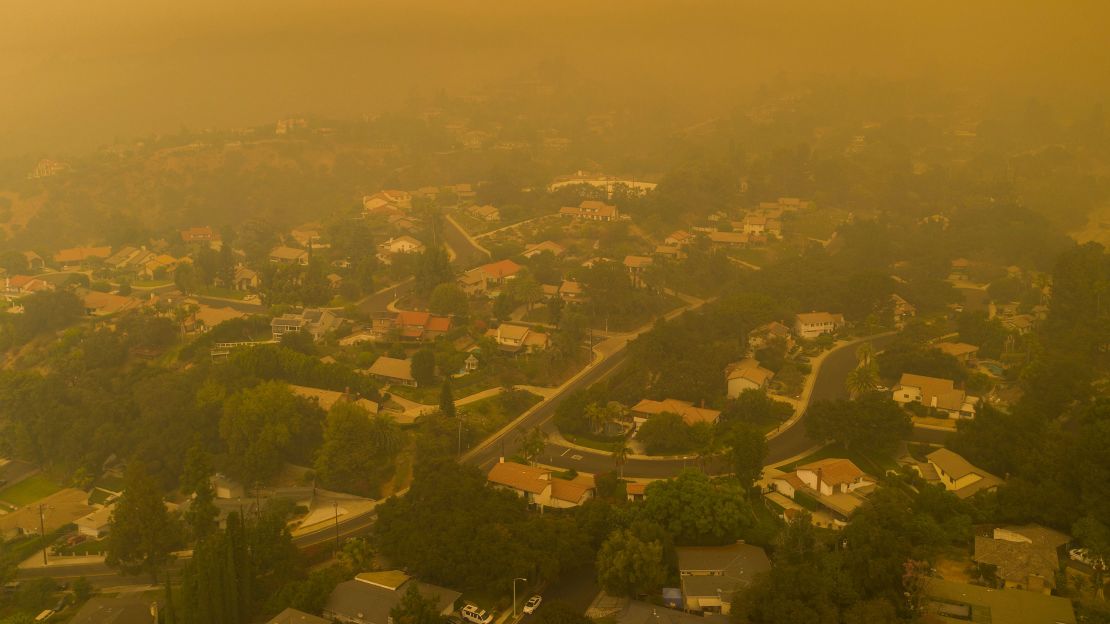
<point>264,426</point>
<point>447,399</point>
<point>525,289</point>
<point>424,367</point>
<point>630,566</point>
<point>448,298</point>
<point>415,608</point>
<point>862,379</point>
<point>696,510</point>
<point>747,452</point>
<point>351,450</point>
<point>873,421</point>
<point>665,433</point>
<point>532,443</point>
<point>143,533</point>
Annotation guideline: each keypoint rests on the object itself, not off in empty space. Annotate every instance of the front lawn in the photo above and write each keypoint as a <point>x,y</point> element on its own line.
<point>871,463</point>
<point>29,490</point>
<point>461,387</point>
<point>607,445</point>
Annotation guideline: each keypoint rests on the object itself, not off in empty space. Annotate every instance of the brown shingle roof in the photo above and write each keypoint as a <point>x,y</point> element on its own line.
<point>834,471</point>
<point>520,477</point>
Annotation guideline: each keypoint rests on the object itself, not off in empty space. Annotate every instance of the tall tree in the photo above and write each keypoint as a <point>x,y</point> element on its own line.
<point>143,533</point>
<point>447,399</point>
<point>747,451</point>
<point>630,566</point>
<point>415,608</point>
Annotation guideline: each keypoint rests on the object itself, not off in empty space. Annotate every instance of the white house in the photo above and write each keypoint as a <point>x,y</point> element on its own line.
<point>939,394</point>
<point>957,474</point>
<point>746,374</point>
<point>810,325</point>
<point>539,487</point>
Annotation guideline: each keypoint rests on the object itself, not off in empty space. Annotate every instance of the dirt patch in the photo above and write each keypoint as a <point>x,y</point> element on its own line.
<point>953,569</point>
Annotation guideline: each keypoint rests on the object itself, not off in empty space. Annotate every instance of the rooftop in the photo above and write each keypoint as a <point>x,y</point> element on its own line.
<point>996,606</point>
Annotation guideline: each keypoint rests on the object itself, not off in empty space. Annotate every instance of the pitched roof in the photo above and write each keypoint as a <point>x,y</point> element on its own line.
<point>738,558</point>
<point>438,324</point>
<point>956,349</point>
<point>392,368</point>
<point>413,318</point>
<point>689,413</point>
<point>1037,535</point>
<point>509,331</point>
<point>637,262</point>
<point>749,369</point>
<point>814,318</point>
<point>287,253</point>
<point>935,391</point>
<point>729,238</point>
<point>373,603</point>
<point>530,479</point>
<point>537,248</point>
<point>953,464</point>
<point>1017,561</point>
<point>834,470</point>
<point>572,490</point>
<point>80,254</point>
<point>501,269</point>
<point>293,616</point>
<point>1002,606</point>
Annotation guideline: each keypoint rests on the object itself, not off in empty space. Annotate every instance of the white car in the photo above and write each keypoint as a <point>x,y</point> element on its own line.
<point>475,615</point>
<point>532,604</point>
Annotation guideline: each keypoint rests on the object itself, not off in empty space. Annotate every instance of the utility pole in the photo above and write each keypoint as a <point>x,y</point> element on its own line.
<point>335,506</point>
<point>42,531</point>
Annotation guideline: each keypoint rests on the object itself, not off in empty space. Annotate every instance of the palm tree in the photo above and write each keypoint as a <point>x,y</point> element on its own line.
<point>620,454</point>
<point>862,379</point>
<point>386,435</point>
<point>533,443</point>
<point>864,353</point>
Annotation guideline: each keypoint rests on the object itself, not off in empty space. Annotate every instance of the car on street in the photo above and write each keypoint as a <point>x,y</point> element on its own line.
<point>532,604</point>
<point>475,615</point>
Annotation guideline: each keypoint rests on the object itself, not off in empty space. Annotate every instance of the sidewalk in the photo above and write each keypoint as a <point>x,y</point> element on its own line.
<point>59,561</point>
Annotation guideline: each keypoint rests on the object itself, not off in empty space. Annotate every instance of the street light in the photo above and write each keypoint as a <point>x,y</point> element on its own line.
<point>514,593</point>
<point>335,506</point>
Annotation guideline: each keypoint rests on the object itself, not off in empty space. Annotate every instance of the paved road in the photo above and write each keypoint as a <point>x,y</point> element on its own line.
<point>378,301</point>
<point>793,441</point>
<point>467,255</point>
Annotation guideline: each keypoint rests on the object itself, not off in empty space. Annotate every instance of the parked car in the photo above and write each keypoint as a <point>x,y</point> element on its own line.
<point>532,604</point>
<point>475,615</point>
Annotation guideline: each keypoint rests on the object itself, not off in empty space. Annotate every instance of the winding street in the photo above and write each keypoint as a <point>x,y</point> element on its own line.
<point>790,442</point>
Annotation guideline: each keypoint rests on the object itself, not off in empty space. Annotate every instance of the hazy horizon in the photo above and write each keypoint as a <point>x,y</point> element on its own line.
<point>84,74</point>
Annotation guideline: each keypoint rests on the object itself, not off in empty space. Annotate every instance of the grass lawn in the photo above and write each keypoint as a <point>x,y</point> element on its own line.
<point>29,490</point>
<point>150,283</point>
<point>461,387</point>
<point>225,293</point>
<point>871,463</point>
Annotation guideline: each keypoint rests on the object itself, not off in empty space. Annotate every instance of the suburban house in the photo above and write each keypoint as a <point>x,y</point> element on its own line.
<point>518,338</point>
<point>326,399</point>
<point>289,255</point>
<point>810,325</point>
<point>754,224</point>
<point>370,596</point>
<point>737,239</point>
<point>105,304</point>
<point>392,370</point>
<point>486,213</point>
<point>636,266</point>
<point>602,181</point>
<point>592,210</point>
<point>678,238</point>
<point>956,474</point>
<point>308,236</point>
<point>293,616</point>
<point>712,576</point>
<point>1018,565</point>
<point>125,608</point>
<point>411,325</point>
<point>540,487</point>
<point>497,273</point>
<point>472,283</point>
<point>634,491</point>
<point>1034,534</point>
<point>18,285</point>
<point>77,255</point>
<point>571,292</point>
<point>386,201</point>
<point>960,350</point>
<point>202,234</point>
<point>690,414</point>
<point>769,333</point>
<point>534,249</point>
<point>314,321</point>
<point>245,279</point>
<point>667,251</point>
<point>399,245</point>
<point>34,261</point>
<point>939,394</point>
<point>226,488</point>
<point>96,524</point>
<point>951,602</point>
<point>746,374</point>
<point>836,484</point>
